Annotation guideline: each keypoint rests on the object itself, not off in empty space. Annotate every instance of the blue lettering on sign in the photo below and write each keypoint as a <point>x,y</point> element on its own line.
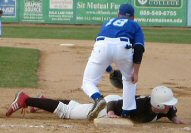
<point>8,7</point>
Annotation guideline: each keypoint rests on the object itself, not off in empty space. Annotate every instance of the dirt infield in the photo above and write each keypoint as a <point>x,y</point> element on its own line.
<point>60,76</point>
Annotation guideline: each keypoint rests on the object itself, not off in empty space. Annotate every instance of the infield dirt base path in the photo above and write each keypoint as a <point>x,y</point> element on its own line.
<point>60,76</point>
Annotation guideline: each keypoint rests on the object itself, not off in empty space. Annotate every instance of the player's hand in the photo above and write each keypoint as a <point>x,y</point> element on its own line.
<point>111,114</point>
<point>178,121</point>
<point>134,78</point>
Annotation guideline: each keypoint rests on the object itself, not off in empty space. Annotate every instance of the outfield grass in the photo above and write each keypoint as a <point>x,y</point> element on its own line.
<point>51,32</point>
<point>168,35</point>
<point>19,67</point>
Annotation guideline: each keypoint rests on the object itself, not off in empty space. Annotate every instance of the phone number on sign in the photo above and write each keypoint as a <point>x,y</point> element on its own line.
<point>157,13</point>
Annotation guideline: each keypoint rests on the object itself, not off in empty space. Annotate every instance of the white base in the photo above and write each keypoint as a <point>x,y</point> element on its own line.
<point>67,44</point>
<point>113,122</point>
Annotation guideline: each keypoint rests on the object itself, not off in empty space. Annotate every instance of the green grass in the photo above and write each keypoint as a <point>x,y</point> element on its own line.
<point>169,35</point>
<point>18,67</point>
<point>51,32</point>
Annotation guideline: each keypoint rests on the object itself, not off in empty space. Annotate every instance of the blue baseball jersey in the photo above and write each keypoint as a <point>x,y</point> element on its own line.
<point>123,27</point>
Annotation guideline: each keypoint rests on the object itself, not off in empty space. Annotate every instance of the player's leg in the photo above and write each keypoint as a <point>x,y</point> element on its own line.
<point>79,111</point>
<point>96,66</point>
<point>22,100</point>
<point>92,76</point>
<point>124,61</point>
<point>35,109</point>
<point>129,90</point>
<point>67,109</point>
<point>76,110</point>
<point>46,104</point>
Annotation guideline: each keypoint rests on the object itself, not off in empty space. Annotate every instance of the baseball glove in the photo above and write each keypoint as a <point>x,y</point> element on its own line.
<point>116,79</point>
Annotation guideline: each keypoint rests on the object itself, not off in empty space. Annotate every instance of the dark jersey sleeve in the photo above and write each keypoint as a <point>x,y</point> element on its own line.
<point>171,113</point>
<point>142,114</point>
<point>138,53</point>
<point>115,106</point>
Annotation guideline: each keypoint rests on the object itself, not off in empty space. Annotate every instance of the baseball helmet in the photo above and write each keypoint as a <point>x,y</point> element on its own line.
<point>161,96</point>
<point>126,10</point>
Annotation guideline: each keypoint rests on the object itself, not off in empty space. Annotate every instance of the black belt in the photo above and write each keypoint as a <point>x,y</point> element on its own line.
<point>121,39</point>
<point>100,39</point>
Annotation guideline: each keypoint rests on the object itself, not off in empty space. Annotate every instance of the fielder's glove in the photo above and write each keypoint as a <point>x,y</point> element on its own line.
<point>116,79</point>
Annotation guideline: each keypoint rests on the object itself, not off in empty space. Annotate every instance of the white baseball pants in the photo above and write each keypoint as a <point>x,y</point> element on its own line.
<point>104,53</point>
<point>76,110</point>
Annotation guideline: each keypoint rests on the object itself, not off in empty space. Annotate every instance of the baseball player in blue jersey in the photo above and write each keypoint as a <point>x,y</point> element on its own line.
<point>120,41</point>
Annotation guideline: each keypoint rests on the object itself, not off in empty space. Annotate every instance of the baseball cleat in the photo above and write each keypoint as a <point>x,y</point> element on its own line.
<point>97,107</point>
<point>18,103</point>
<point>34,109</point>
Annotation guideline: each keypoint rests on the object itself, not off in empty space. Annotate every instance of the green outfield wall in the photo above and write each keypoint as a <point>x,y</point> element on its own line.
<point>148,12</point>
<point>189,13</point>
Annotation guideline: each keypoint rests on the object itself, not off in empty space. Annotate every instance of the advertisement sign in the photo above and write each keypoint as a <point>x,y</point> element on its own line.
<point>96,11</point>
<point>161,12</point>
<point>60,11</point>
<point>189,13</point>
<point>32,11</point>
<point>8,7</point>
<point>147,12</point>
